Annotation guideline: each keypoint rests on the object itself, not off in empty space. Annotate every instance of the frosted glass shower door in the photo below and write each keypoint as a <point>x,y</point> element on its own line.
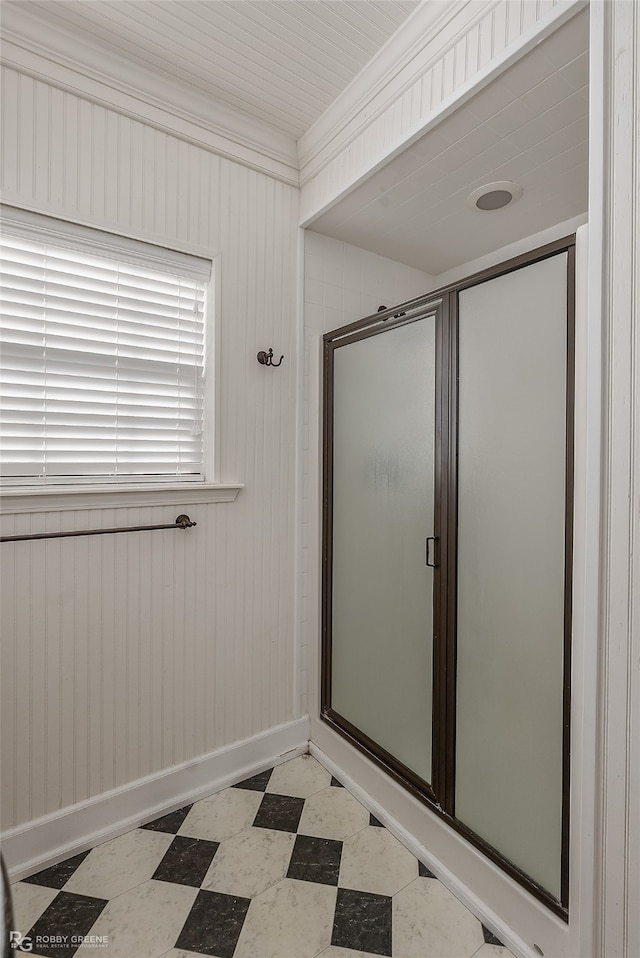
<point>383,511</point>
<point>512,482</point>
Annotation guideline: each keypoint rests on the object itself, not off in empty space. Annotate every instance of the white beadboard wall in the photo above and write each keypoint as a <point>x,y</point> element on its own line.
<point>126,655</point>
<point>454,58</point>
<point>342,283</point>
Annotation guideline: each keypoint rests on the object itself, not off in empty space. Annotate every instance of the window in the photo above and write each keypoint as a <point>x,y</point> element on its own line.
<point>103,357</point>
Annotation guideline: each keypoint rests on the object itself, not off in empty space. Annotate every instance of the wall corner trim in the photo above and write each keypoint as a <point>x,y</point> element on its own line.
<point>30,847</point>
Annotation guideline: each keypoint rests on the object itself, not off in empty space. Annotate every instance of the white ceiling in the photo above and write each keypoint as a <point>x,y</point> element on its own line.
<point>530,125</point>
<point>283,62</point>
<point>280,61</point>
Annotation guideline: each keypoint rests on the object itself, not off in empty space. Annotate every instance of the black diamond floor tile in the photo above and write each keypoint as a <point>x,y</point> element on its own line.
<point>69,917</point>
<point>315,859</point>
<point>281,812</point>
<point>186,861</point>
<point>214,924</point>
<point>58,875</point>
<point>490,938</point>
<point>257,783</point>
<point>362,921</point>
<point>424,872</point>
<point>169,823</point>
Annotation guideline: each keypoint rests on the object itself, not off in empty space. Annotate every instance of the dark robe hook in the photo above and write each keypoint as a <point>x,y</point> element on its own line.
<point>266,359</point>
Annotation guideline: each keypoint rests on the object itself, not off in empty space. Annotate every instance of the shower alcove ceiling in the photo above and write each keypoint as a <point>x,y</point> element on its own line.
<point>530,125</point>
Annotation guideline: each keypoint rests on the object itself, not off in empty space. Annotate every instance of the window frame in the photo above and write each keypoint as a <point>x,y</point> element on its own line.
<point>87,494</point>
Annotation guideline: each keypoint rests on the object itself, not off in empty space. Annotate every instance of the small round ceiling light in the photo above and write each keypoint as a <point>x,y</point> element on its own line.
<point>494,196</point>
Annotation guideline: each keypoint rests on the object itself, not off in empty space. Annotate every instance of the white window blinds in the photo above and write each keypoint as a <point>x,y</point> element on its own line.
<point>102,355</point>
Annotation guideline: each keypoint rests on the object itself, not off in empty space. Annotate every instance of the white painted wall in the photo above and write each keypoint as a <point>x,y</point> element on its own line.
<point>125,656</point>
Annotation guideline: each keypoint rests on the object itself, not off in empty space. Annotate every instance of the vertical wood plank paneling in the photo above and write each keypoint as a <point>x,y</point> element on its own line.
<point>618,834</point>
<point>85,159</point>
<point>79,586</point>
<point>9,133</point>
<point>22,682</point>
<point>123,648</point>
<point>124,196</point>
<point>94,677</point>
<point>109,706</point>
<point>56,110</point>
<point>530,13</point>
<point>141,620</point>
<point>201,571</point>
<point>167,695</point>
<point>171,191</point>
<point>69,199</point>
<point>9,730</point>
<point>42,142</point>
<point>98,158</point>
<point>132,653</point>
<point>26,153</point>
<point>52,602</point>
<point>500,27</point>
<point>68,626</point>
<point>39,675</point>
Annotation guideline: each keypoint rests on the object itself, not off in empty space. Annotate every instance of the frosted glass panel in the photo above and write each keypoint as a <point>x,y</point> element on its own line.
<point>384,407</point>
<point>511,526</point>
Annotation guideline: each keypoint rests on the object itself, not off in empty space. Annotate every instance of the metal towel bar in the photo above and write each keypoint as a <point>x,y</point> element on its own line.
<point>182,522</point>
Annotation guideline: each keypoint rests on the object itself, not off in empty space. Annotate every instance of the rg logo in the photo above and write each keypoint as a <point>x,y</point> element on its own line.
<point>20,941</point>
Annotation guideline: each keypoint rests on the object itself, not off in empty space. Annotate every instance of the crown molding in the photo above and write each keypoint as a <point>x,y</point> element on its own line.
<point>386,77</point>
<point>77,64</point>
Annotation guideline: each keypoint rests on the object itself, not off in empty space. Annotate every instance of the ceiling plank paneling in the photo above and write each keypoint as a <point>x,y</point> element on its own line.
<point>529,126</point>
<point>281,61</point>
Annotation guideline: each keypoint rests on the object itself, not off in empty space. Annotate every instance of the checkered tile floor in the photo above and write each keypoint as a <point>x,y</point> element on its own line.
<point>284,865</point>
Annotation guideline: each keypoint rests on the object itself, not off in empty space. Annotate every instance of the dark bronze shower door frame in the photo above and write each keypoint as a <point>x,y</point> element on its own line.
<point>378,324</point>
<point>439,793</point>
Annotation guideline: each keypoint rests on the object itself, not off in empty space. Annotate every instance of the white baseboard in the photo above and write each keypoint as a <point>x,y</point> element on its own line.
<point>35,845</point>
<point>471,901</point>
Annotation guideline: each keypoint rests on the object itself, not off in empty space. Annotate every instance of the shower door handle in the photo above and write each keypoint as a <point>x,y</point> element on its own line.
<point>432,565</point>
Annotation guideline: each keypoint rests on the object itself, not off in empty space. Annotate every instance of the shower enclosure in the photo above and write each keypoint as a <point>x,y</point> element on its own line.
<point>448,438</point>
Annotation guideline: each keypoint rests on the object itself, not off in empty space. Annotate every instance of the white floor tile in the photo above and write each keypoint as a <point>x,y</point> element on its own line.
<point>429,921</point>
<point>29,901</point>
<point>373,860</point>
<point>291,920</point>
<point>334,952</point>
<point>122,863</point>
<point>493,951</point>
<point>144,923</point>
<point>250,862</point>
<point>302,777</point>
<point>222,815</point>
<point>333,813</point>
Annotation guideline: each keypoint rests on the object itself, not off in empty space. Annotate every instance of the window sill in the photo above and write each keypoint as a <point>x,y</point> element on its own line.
<point>73,498</point>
